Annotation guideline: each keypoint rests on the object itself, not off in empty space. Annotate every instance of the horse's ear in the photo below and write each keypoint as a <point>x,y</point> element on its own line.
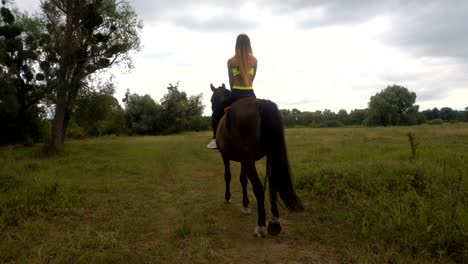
<point>212,87</point>
<point>224,86</point>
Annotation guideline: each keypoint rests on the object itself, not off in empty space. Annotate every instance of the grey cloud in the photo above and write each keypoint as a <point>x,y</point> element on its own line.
<point>436,28</point>
<point>425,28</point>
<point>432,93</point>
<point>400,77</point>
<point>336,11</point>
<point>217,23</point>
<point>176,11</point>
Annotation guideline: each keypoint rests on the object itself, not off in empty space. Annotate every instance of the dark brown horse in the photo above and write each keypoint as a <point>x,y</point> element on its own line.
<point>251,130</point>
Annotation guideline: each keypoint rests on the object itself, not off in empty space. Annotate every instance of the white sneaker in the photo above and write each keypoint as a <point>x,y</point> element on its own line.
<point>212,144</point>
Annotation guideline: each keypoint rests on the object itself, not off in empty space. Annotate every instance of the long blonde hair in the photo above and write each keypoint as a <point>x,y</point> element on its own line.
<point>243,51</point>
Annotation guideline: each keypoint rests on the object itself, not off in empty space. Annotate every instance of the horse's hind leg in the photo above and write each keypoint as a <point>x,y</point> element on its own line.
<point>274,226</point>
<point>227,179</point>
<point>257,186</point>
<point>245,198</point>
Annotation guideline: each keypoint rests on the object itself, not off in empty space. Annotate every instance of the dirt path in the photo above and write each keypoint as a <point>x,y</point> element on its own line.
<point>228,234</point>
<point>238,245</point>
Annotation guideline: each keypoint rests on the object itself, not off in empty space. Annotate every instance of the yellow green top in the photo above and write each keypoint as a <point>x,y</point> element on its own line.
<point>235,72</point>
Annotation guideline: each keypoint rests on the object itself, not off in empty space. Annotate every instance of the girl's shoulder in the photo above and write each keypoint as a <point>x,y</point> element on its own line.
<point>252,60</point>
<point>233,61</point>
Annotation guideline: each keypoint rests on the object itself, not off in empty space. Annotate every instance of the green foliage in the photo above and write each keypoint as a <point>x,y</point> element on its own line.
<point>448,114</point>
<point>330,123</point>
<point>75,131</point>
<point>20,78</point>
<point>106,33</point>
<point>98,113</point>
<point>178,110</point>
<point>437,121</point>
<point>327,118</point>
<point>88,37</point>
<point>176,113</point>
<point>393,106</point>
<point>142,114</point>
<point>431,114</point>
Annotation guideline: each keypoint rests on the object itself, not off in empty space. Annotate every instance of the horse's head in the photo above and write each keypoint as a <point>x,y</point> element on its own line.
<point>219,97</point>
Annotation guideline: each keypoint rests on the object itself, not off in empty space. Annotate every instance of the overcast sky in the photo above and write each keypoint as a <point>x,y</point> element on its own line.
<point>312,55</point>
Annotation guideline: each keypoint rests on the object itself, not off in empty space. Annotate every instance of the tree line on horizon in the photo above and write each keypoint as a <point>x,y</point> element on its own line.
<point>51,87</point>
<point>393,106</point>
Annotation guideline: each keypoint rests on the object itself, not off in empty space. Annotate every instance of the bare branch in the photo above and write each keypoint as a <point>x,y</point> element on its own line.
<point>56,4</point>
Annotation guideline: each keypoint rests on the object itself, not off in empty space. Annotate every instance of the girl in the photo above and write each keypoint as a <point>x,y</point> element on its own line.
<point>242,69</point>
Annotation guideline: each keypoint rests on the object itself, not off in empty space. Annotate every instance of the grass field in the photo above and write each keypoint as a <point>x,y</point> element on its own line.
<point>368,198</point>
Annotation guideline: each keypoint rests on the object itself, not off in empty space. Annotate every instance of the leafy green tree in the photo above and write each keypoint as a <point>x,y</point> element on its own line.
<point>328,114</point>
<point>179,110</point>
<point>143,116</point>
<point>295,117</point>
<point>287,118</point>
<point>431,114</point>
<point>357,116</point>
<point>342,116</point>
<point>98,112</point>
<point>176,113</point>
<point>306,118</point>
<point>317,118</point>
<point>22,81</point>
<point>83,38</point>
<point>447,114</point>
<point>392,106</point>
<point>465,118</point>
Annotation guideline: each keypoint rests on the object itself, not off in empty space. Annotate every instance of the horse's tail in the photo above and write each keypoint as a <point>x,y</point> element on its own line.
<point>278,172</point>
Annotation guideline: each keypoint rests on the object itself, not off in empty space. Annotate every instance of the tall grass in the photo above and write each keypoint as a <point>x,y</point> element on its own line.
<point>384,195</point>
<point>377,195</point>
<point>25,190</point>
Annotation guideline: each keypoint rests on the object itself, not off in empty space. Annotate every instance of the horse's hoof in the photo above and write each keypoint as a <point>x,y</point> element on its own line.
<point>227,201</point>
<point>274,227</point>
<point>246,210</point>
<point>260,231</point>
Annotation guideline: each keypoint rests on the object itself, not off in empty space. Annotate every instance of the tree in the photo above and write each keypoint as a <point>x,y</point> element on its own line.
<point>392,106</point>
<point>82,38</point>
<point>97,112</point>
<point>22,81</point>
<point>176,113</point>
<point>431,114</point>
<point>465,118</point>
<point>287,118</point>
<point>447,114</point>
<point>143,116</point>
<point>306,118</point>
<point>179,110</point>
<point>357,116</point>
<point>342,116</point>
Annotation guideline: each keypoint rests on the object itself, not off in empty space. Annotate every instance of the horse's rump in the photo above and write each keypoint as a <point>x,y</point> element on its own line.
<point>239,132</point>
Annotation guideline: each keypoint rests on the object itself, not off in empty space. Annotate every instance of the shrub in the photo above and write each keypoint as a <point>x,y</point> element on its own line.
<point>437,121</point>
<point>330,123</point>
